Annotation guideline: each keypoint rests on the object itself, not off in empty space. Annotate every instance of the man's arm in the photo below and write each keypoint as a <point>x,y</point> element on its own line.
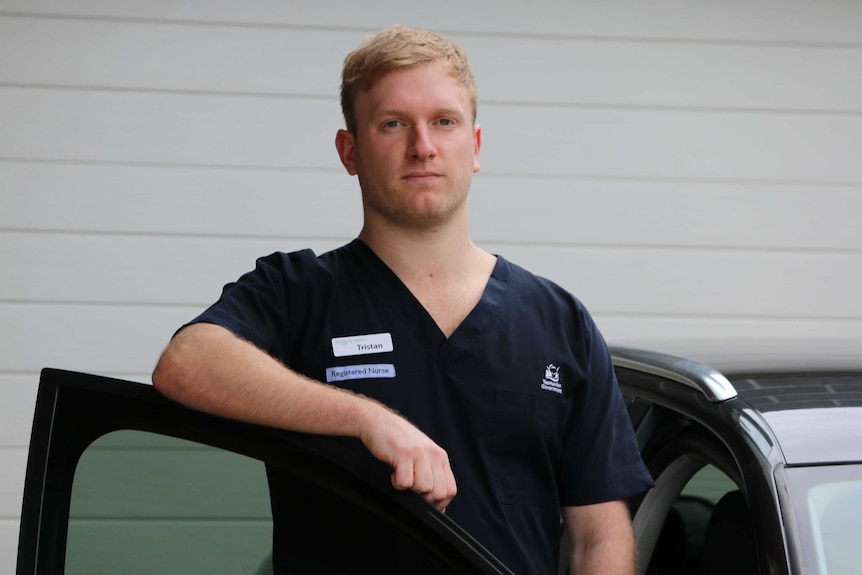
<point>601,540</point>
<point>208,368</point>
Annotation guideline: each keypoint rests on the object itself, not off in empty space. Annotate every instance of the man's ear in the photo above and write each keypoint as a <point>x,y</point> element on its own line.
<point>345,143</point>
<point>477,145</point>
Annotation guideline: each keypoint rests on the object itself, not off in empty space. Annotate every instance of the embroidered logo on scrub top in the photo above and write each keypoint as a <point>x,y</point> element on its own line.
<point>551,382</point>
<point>362,344</point>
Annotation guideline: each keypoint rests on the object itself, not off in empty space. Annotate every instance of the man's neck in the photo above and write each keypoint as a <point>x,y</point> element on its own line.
<point>447,273</point>
<point>417,257</point>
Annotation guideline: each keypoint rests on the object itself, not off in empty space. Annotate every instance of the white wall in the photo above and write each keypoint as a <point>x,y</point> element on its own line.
<point>688,169</point>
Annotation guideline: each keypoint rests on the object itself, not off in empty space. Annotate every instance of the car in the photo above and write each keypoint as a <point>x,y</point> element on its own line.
<point>756,459</point>
<point>757,469</point>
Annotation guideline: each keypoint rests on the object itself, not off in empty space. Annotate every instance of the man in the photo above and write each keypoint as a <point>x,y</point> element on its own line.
<point>444,360</point>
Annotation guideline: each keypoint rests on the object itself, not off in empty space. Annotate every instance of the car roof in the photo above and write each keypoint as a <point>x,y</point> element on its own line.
<point>816,416</point>
<point>813,405</point>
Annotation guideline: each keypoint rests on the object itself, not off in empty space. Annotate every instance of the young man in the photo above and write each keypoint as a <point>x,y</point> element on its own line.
<point>444,360</point>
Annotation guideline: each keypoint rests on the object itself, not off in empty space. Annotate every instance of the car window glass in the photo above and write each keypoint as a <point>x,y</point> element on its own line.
<point>153,505</point>
<point>708,484</point>
<point>828,504</point>
<point>147,504</point>
<point>837,508</point>
<point>706,530</point>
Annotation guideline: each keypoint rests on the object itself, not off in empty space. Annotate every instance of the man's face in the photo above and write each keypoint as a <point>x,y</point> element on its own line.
<point>415,149</point>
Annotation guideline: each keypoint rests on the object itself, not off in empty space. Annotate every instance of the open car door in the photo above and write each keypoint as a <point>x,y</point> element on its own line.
<point>122,480</point>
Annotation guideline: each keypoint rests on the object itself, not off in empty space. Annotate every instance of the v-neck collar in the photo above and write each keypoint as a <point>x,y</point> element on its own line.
<point>480,322</point>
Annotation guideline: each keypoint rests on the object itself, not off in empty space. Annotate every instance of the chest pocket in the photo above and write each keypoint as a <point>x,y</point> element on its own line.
<point>525,447</point>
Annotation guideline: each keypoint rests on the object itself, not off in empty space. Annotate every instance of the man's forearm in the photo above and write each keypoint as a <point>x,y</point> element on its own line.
<point>208,368</point>
<point>601,539</point>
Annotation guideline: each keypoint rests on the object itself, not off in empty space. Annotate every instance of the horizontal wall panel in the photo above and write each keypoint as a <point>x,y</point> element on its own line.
<point>180,271</point>
<point>170,57</point>
<point>113,339</point>
<point>631,73</point>
<point>827,21</point>
<point>159,128</point>
<point>702,282</point>
<point>91,339</point>
<point>261,132</point>
<point>660,144</point>
<point>176,200</point>
<point>129,269</point>
<point>735,356</point>
<point>16,410</point>
<point>13,467</point>
<point>326,204</point>
<point>679,214</point>
<point>9,544</point>
<point>153,56</point>
<point>688,335</point>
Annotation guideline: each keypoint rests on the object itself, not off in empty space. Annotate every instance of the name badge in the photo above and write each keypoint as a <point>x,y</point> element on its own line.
<point>361,344</point>
<point>374,371</point>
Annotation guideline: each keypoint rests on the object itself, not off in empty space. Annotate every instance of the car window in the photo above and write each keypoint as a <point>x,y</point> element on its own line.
<point>709,484</point>
<point>827,503</point>
<point>122,480</point>
<point>151,505</point>
<point>147,504</point>
<point>706,529</point>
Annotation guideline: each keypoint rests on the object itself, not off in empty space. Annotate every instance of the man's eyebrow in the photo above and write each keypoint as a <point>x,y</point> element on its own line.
<point>450,112</point>
<point>388,112</point>
<point>445,111</point>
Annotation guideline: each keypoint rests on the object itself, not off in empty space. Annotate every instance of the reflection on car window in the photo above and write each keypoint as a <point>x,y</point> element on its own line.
<point>708,484</point>
<point>836,509</point>
<point>829,504</point>
<point>145,504</point>
<point>707,529</point>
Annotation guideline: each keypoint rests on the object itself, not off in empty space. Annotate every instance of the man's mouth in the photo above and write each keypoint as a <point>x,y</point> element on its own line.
<point>422,176</point>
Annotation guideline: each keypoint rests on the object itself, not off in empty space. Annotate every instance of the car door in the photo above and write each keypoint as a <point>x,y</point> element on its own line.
<point>121,480</point>
<point>711,510</point>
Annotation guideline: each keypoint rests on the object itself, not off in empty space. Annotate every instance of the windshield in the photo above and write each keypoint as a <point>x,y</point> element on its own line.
<point>827,504</point>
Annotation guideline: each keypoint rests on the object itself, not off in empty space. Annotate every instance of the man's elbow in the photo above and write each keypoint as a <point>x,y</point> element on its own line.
<point>172,371</point>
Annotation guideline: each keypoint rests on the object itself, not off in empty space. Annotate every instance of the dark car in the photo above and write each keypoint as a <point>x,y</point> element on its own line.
<point>758,468</point>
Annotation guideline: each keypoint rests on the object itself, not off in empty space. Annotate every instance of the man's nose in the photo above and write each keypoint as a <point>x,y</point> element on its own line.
<point>422,145</point>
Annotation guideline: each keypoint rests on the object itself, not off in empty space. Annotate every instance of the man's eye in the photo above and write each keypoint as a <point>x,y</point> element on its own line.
<point>391,124</point>
<point>446,122</point>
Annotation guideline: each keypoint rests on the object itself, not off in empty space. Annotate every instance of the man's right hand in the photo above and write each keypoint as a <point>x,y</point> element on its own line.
<point>417,462</point>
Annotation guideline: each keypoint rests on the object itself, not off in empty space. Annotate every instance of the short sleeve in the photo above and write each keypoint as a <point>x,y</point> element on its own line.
<point>600,458</point>
<point>259,306</point>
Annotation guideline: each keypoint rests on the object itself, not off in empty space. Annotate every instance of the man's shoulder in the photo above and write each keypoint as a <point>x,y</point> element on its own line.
<point>305,261</point>
<point>529,283</point>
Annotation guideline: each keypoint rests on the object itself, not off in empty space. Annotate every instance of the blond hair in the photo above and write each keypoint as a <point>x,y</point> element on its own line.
<point>400,47</point>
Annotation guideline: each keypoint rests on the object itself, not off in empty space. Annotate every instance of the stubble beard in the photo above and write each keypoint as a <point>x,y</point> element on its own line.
<point>413,210</point>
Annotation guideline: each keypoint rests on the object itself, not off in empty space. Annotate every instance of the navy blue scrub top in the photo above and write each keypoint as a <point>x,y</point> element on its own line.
<point>522,395</point>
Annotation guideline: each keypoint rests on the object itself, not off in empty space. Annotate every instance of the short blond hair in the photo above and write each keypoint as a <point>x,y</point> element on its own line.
<point>400,47</point>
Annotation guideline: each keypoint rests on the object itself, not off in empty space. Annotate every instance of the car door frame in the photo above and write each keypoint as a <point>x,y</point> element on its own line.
<point>725,433</point>
<point>74,409</point>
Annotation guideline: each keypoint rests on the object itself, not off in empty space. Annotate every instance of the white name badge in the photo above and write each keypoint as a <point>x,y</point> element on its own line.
<point>362,344</point>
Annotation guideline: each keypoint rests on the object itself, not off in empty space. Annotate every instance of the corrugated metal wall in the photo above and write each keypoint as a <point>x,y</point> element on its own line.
<point>686,168</point>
